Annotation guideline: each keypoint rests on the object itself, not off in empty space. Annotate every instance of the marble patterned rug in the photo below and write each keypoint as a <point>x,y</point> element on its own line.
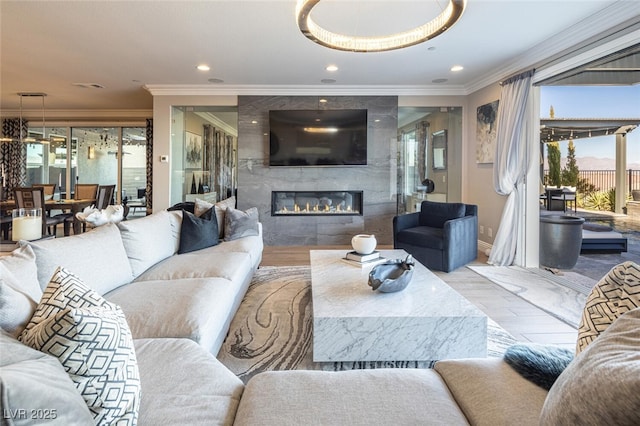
<point>564,302</point>
<point>273,327</point>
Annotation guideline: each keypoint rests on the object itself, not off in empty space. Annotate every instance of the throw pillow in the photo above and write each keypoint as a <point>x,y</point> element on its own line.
<point>198,232</point>
<point>616,293</point>
<point>238,224</point>
<point>601,386</point>
<point>16,307</point>
<point>434,214</point>
<point>19,289</point>
<point>540,364</point>
<point>91,339</point>
<point>36,389</point>
<point>221,207</point>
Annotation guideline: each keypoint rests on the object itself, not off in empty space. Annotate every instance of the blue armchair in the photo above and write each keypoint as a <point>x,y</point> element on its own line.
<point>442,236</point>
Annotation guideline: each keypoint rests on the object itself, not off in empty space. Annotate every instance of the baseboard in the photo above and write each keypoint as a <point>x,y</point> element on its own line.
<point>484,247</point>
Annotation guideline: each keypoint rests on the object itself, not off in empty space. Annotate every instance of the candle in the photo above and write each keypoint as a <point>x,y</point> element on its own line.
<point>26,224</point>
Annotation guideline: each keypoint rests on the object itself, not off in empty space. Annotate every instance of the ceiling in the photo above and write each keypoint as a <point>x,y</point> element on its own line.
<point>103,55</point>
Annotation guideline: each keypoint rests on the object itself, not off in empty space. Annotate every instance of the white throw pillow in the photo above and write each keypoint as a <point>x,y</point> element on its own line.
<point>91,339</point>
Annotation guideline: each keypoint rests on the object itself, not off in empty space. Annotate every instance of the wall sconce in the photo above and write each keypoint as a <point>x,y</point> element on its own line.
<point>91,153</point>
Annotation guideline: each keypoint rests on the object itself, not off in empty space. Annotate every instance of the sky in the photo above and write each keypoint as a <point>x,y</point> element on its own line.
<point>595,102</point>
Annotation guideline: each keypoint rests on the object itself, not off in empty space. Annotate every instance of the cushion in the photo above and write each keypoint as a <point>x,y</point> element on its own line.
<point>198,232</point>
<point>238,224</point>
<point>91,339</point>
<point>97,257</point>
<point>601,386</point>
<point>148,240</point>
<point>35,388</point>
<point>423,236</point>
<point>221,207</point>
<point>541,364</point>
<point>180,308</point>
<point>174,397</point>
<point>435,214</point>
<point>19,289</point>
<point>489,392</point>
<point>616,293</point>
<point>355,397</point>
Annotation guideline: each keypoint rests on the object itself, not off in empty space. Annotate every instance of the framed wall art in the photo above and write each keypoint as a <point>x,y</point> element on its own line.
<point>487,116</point>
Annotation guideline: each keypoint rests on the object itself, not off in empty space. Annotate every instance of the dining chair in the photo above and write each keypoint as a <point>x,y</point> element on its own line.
<point>49,189</point>
<point>82,191</point>
<point>105,196</point>
<point>33,198</point>
<point>86,191</point>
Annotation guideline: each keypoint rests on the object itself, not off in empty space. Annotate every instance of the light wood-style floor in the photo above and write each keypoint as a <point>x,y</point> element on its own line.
<point>523,320</point>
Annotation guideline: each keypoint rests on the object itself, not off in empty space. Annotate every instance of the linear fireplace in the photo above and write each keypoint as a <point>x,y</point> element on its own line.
<point>316,203</point>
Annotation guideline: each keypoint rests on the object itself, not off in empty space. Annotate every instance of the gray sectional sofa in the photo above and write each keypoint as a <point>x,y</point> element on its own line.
<point>178,308</point>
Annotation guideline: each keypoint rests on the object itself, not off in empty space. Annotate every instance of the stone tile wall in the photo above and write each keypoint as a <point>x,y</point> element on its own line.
<point>378,179</point>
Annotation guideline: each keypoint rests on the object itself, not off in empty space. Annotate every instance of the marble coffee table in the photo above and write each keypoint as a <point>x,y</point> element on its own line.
<point>426,321</point>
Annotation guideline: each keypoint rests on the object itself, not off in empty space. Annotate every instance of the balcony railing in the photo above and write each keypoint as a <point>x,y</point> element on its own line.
<point>604,180</point>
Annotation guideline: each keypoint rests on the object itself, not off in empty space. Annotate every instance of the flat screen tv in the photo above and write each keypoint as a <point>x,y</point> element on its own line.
<point>318,137</point>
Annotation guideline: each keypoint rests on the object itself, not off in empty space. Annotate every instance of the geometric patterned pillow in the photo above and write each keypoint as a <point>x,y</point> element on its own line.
<point>91,339</point>
<point>616,293</point>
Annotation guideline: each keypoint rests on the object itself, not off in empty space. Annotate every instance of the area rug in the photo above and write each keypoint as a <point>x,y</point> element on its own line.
<point>273,329</point>
<point>545,292</point>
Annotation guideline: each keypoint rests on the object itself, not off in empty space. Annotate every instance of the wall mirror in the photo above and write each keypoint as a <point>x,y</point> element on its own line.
<point>439,144</point>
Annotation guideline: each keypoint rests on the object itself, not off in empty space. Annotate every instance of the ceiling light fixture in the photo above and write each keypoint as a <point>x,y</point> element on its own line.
<point>28,139</point>
<point>332,68</point>
<point>457,68</point>
<point>427,31</point>
<point>203,67</point>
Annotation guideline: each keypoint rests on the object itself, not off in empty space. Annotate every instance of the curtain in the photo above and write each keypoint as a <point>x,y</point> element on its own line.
<point>220,161</point>
<point>149,188</point>
<point>513,160</point>
<point>13,156</point>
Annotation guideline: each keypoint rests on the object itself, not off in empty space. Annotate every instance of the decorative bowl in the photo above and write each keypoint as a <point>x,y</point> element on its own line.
<point>363,243</point>
<point>392,276</point>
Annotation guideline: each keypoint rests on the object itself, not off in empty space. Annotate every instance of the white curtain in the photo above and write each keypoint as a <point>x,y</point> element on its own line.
<point>513,160</point>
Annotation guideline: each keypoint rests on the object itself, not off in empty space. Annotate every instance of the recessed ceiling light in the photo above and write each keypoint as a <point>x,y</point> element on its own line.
<point>332,68</point>
<point>377,120</point>
<point>323,101</point>
<point>327,81</point>
<point>456,68</point>
<point>203,67</point>
<point>254,121</point>
<point>215,80</point>
<point>439,80</point>
<point>431,48</point>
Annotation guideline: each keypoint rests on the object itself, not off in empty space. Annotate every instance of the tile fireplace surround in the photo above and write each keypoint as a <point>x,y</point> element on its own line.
<point>316,203</point>
<point>377,181</point>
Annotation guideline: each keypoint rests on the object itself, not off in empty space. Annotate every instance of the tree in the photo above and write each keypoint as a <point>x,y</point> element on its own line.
<point>553,158</point>
<point>570,173</point>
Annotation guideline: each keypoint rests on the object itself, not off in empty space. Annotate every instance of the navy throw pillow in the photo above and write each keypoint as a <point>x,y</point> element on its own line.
<point>198,232</point>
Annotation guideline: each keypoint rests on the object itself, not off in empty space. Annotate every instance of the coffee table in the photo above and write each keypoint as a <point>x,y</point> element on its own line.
<point>426,321</point>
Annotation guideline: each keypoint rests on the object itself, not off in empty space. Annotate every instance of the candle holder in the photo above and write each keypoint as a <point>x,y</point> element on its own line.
<point>26,224</point>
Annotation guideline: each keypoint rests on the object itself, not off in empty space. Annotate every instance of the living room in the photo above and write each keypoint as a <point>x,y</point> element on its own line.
<point>147,69</point>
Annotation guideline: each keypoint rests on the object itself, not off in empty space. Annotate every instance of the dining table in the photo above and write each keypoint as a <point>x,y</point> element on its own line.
<point>66,205</point>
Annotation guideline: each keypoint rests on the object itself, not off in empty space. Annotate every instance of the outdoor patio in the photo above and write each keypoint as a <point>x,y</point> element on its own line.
<point>596,265</point>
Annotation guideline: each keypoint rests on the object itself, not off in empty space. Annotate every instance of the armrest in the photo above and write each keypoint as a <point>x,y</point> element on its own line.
<point>456,231</point>
<point>405,221</point>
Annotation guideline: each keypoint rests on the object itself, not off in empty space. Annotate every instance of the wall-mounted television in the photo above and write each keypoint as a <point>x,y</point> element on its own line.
<point>318,137</point>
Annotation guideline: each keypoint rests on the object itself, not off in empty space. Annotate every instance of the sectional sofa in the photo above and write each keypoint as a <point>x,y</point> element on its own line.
<point>178,307</point>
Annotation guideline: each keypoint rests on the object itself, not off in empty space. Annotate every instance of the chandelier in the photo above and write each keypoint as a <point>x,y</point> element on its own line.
<point>420,34</point>
<point>27,138</point>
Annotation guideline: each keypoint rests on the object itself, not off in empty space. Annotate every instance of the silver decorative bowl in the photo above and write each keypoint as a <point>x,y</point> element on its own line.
<point>392,275</point>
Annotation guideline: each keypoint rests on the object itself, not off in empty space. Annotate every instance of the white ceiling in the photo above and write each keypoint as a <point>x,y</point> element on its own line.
<point>253,46</point>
